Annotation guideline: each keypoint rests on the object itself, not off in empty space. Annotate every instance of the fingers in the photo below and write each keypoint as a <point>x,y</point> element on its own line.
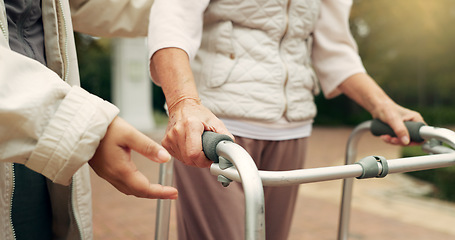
<point>112,161</point>
<point>118,169</point>
<point>183,141</point>
<point>139,142</point>
<point>148,148</point>
<point>138,185</point>
<point>183,137</point>
<point>396,119</point>
<point>401,131</point>
<point>122,173</point>
<point>218,127</point>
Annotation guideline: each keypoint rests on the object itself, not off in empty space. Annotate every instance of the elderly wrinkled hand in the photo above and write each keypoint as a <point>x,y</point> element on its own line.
<point>188,119</point>
<point>395,116</point>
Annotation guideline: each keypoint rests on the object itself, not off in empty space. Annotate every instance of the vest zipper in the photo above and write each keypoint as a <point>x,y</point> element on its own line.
<point>13,180</point>
<point>73,209</point>
<point>3,30</point>
<point>65,78</point>
<point>283,61</point>
<point>66,67</point>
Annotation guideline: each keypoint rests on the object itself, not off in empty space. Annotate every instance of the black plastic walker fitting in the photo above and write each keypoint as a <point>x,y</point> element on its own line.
<point>371,169</point>
<point>209,142</point>
<point>379,128</point>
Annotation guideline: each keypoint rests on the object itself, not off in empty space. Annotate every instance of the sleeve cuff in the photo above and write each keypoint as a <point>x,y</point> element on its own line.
<point>72,136</point>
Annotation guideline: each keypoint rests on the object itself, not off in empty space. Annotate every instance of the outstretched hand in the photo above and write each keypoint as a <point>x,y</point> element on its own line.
<point>112,161</point>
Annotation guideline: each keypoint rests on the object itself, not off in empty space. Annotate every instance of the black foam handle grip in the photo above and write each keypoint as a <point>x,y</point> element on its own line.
<point>209,142</point>
<point>379,128</point>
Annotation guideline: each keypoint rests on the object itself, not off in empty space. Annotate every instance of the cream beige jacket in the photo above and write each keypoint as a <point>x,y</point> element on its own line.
<point>256,65</point>
<point>49,123</point>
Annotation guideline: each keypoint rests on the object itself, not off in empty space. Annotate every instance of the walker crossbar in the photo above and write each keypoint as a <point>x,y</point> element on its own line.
<point>237,165</point>
<point>292,177</point>
<point>443,157</point>
<point>372,166</point>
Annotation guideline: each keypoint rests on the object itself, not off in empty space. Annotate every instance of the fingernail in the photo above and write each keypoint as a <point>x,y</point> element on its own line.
<point>405,140</point>
<point>163,155</point>
<point>175,196</point>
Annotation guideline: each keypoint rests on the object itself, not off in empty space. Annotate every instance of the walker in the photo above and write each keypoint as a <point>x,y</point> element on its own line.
<point>233,163</point>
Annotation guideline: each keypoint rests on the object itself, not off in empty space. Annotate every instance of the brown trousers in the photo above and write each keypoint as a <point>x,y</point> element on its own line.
<point>208,211</point>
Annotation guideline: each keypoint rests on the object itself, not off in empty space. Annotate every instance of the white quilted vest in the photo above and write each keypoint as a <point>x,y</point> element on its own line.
<point>254,60</point>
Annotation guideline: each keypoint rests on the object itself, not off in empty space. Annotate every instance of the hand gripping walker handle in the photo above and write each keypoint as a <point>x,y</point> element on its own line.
<point>209,142</point>
<point>379,128</point>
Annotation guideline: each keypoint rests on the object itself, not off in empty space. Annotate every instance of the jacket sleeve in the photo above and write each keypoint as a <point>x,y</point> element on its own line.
<point>111,18</point>
<point>335,56</point>
<point>51,127</point>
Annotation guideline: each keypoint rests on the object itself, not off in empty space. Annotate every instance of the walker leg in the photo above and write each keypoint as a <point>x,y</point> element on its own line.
<point>351,153</point>
<point>163,208</point>
<point>345,210</point>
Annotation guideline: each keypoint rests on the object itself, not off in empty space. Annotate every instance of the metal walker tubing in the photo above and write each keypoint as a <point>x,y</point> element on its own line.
<point>252,185</point>
<point>444,157</point>
<point>245,171</point>
<point>163,208</point>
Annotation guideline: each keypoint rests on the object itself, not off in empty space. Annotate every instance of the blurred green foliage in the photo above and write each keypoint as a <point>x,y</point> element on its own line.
<point>94,58</point>
<point>443,179</point>
<point>407,47</point>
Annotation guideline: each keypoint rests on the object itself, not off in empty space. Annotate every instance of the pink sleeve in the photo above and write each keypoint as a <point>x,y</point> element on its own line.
<point>335,56</point>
